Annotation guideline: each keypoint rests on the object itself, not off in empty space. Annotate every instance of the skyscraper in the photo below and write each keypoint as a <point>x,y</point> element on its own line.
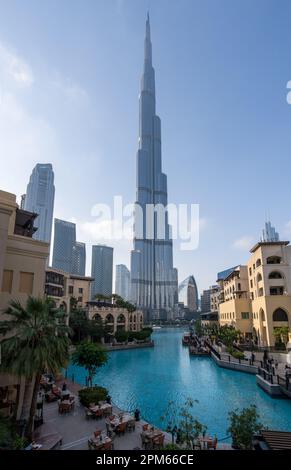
<point>269,233</point>
<point>188,293</point>
<point>39,198</point>
<point>79,259</point>
<point>122,281</point>
<point>64,242</point>
<point>68,255</point>
<point>101,270</point>
<point>153,278</point>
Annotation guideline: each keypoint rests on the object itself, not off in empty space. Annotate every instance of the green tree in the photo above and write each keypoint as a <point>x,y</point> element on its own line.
<point>91,356</point>
<point>182,417</point>
<point>121,336</point>
<point>281,334</point>
<point>79,324</point>
<point>35,340</point>
<point>242,427</point>
<point>228,334</point>
<point>198,328</point>
<point>101,297</point>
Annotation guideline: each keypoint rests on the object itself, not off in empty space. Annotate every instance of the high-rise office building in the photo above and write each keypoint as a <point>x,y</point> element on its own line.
<point>122,281</point>
<point>68,255</point>
<point>64,242</point>
<point>269,233</point>
<point>153,278</point>
<point>22,201</point>
<point>188,294</point>
<point>39,198</point>
<point>101,270</point>
<point>79,259</point>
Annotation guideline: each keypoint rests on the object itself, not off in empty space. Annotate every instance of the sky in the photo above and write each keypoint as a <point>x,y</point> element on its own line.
<point>69,83</point>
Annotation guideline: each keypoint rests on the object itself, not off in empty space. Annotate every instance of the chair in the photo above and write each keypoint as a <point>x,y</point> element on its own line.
<point>107,445</point>
<point>145,427</point>
<point>158,441</point>
<point>89,414</point>
<point>120,429</point>
<point>98,413</point>
<point>130,425</point>
<point>97,433</point>
<point>107,411</point>
<point>145,442</point>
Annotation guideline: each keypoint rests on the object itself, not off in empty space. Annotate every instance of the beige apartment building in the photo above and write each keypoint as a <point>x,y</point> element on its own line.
<point>22,273</point>
<point>235,309</point>
<point>269,271</point>
<point>115,317</point>
<point>62,287</point>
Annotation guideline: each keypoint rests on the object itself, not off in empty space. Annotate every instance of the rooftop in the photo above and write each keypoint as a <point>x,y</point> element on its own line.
<point>259,244</point>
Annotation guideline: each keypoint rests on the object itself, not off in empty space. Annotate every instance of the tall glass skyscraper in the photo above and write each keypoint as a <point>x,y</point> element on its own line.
<point>64,242</point>
<point>79,259</point>
<point>101,270</point>
<point>68,255</point>
<point>188,293</point>
<point>40,195</point>
<point>269,233</point>
<point>122,281</point>
<point>153,278</point>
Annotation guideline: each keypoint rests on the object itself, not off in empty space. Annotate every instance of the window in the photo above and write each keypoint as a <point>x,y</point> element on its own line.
<point>250,271</point>
<point>251,283</point>
<point>239,286</point>
<point>261,292</point>
<point>245,315</point>
<point>274,260</point>
<point>259,277</point>
<point>280,315</point>
<point>275,275</point>
<point>7,281</point>
<point>276,290</point>
<point>26,283</point>
<point>80,290</point>
<point>80,299</point>
<point>71,289</point>
<point>258,262</point>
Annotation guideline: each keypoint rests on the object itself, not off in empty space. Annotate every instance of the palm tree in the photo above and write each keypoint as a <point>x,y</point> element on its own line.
<point>35,340</point>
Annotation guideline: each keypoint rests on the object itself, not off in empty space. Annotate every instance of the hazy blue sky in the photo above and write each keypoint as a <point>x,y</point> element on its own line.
<point>70,73</point>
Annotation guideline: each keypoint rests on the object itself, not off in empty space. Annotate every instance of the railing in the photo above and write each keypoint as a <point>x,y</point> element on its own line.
<point>284,382</point>
<point>268,376</point>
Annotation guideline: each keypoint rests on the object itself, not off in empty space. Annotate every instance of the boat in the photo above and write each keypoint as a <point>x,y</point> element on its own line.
<point>154,327</point>
<point>186,339</point>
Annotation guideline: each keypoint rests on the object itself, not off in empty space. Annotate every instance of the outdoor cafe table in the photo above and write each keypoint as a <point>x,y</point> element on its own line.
<point>97,443</point>
<point>151,434</point>
<point>125,419</point>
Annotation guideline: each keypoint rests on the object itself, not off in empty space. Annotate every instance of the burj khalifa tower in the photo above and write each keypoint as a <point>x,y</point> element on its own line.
<point>154,283</point>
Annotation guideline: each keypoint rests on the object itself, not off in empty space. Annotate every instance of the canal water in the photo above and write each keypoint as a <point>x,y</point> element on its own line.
<point>149,378</point>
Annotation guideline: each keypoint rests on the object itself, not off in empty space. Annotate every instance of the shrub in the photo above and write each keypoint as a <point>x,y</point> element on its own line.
<point>121,336</point>
<point>92,395</point>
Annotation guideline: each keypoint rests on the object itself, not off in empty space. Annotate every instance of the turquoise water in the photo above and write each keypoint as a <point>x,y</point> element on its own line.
<point>149,378</point>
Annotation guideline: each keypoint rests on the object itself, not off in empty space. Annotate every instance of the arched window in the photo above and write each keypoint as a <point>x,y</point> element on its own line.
<point>262,315</point>
<point>134,318</point>
<point>280,315</point>
<point>239,286</point>
<point>109,318</point>
<point>274,260</point>
<point>275,275</point>
<point>261,292</point>
<point>259,277</point>
<point>258,262</point>
<point>121,318</point>
<point>130,318</point>
<point>97,318</point>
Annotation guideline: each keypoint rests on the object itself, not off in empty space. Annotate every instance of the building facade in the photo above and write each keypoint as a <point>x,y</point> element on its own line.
<point>115,318</point>
<point>64,242</point>
<point>235,310</point>
<point>153,278</point>
<point>22,273</point>
<point>61,287</point>
<point>269,270</point>
<point>205,300</point>
<point>39,198</point>
<point>122,281</point>
<point>188,294</point>
<point>69,255</point>
<point>79,259</point>
<point>101,270</point>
